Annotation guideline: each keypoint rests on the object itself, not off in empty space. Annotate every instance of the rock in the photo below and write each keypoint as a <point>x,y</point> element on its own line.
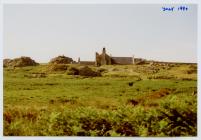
<point>20,62</point>
<point>86,71</point>
<point>130,84</point>
<point>57,67</point>
<point>61,60</point>
<point>73,71</point>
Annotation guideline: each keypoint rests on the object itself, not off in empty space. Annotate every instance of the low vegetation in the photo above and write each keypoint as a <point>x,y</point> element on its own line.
<point>111,100</point>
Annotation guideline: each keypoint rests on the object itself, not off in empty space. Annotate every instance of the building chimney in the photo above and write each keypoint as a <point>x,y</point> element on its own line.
<point>104,50</point>
<point>133,59</point>
<point>78,60</point>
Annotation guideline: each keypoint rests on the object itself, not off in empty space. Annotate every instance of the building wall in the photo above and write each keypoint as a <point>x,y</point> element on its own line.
<point>98,59</point>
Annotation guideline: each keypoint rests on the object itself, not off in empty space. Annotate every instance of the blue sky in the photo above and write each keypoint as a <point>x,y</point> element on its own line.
<point>46,31</point>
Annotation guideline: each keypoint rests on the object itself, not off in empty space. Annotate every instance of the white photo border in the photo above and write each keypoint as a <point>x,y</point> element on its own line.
<point>5,2</point>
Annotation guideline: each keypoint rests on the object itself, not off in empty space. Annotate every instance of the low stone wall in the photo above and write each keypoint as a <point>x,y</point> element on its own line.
<point>87,62</point>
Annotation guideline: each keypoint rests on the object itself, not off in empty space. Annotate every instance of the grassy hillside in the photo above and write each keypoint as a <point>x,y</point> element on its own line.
<point>127,100</point>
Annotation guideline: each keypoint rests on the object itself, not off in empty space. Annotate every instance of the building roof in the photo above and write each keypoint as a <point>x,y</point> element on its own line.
<point>122,60</point>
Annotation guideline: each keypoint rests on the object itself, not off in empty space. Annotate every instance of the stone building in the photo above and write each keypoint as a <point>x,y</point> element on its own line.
<point>105,59</point>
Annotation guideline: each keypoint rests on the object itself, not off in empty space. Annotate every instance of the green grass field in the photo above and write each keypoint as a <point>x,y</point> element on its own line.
<point>127,100</point>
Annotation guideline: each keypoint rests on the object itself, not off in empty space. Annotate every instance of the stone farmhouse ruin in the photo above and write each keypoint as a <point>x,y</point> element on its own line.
<point>105,59</point>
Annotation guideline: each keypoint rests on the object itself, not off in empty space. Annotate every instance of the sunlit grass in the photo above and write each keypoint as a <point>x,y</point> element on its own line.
<point>62,104</point>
